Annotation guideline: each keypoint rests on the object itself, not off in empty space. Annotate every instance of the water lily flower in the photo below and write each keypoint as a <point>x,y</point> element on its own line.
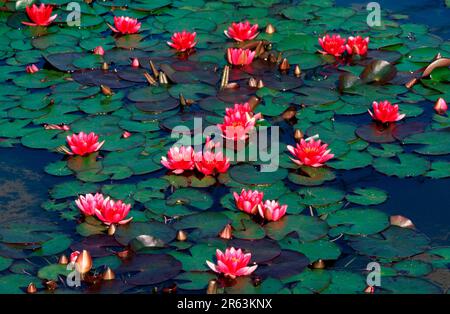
<point>242,31</point>
<point>271,210</point>
<point>238,56</point>
<point>242,109</point>
<point>113,212</point>
<point>32,68</point>
<point>237,126</point>
<point>334,45</point>
<point>232,263</point>
<point>126,134</point>
<point>125,25</point>
<point>99,51</point>
<point>248,201</point>
<point>179,159</point>
<point>183,41</point>
<point>89,203</point>
<point>83,144</point>
<point>209,161</point>
<point>73,256</point>
<point>40,15</point>
<point>135,63</point>
<point>310,153</point>
<point>238,121</point>
<point>384,112</point>
<point>357,45</point>
<point>441,106</point>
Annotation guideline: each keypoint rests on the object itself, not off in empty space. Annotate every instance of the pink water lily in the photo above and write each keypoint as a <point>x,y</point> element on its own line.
<point>125,25</point>
<point>135,63</point>
<point>126,134</point>
<point>209,161</point>
<point>32,68</point>
<point>441,106</point>
<point>232,263</point>
<point>74,255</point>
<point>40,15</point>
<point>248,201</point>
<point>242,31</point>
<point>238,56</point>
<point>89,203</point>
<point>83,144</point>
<point>238,122</point>
<point>357,45</point>
<point>332,45</point>
<point>183,41</point>
<point>384,112</point>
<point>179,159</point>
<point>99,51</point>
<point>310,153</point>
<point>271,210</point>
<point>113,212</point>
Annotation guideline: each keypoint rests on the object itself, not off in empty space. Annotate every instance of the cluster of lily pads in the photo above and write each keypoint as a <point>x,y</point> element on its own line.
<point>112,95</point>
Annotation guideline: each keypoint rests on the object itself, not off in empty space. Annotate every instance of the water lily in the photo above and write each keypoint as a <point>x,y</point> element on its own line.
<point>125,25</point>
<point>232,263</point>
<point>32,68</point>
<point>40,15</point>
<point>83,144</point>
<point>310,153</point>
<point>89,203</point>
<point>248,201</point>
<point>242,31</point>
<point>384,112</point>
<point>113,212</point>
<point>238,122</point>
<point>99,51</point>
<point>183,41</point>
<point>357,45</point>
<point>238,56</point>
<point>179,159</point>
<point>73,256</point>
<point>126,134</point>
<point>271,210</point>
<point>209,161</point>
<point>332,45</point>
<point>135,63</point>
<point>441,106</point>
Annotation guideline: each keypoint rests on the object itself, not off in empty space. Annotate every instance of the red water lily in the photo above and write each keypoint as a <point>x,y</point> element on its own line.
<point>238,56</point>
<point>89,203</point>
<point>248,201</point>
<point>99,51</point>
<point>209,161</point>
<point>334,45</point>
<point>310,153</point>
<point>183,41</point>
<point>135,63</point>
<point>232,263</point>
<point>271,210</point>
<point>179,159</point>
<point>242,31</point>
<point>384,112</point>
<point>441,106</point>
<point>83,144</point>
<point>238,122</point>
<point>357,45</point>
<point>32,68</point>
<point>74,255</point>
<point>125,25</point>
<point>40,15</point>
<point>113,212</point>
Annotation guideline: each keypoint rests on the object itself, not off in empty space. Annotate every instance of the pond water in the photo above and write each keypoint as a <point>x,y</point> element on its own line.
<point>377,172</point>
